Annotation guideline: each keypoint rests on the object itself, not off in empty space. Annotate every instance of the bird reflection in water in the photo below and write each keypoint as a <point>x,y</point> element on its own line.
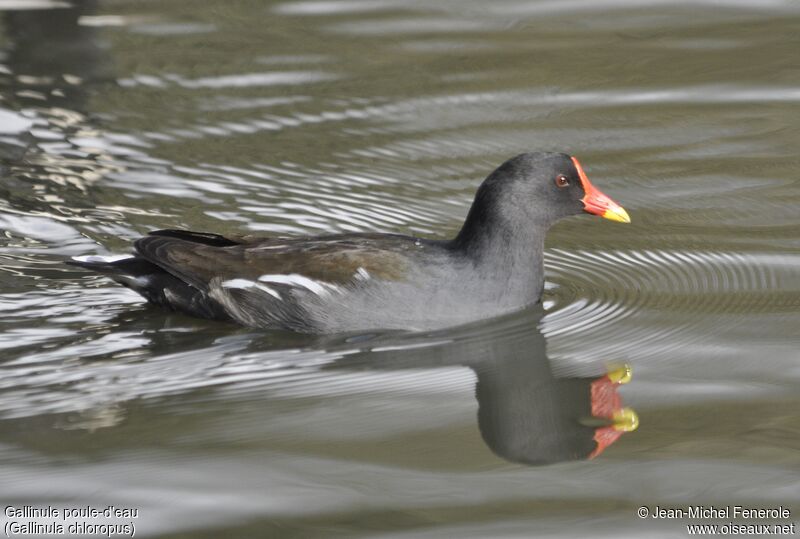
<point>526,412</point>
<point>527,415</point>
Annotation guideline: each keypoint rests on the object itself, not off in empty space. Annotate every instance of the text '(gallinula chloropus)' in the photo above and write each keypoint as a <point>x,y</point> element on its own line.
<point>355,282</point>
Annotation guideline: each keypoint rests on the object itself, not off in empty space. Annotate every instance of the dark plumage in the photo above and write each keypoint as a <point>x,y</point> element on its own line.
<point>351,282</point>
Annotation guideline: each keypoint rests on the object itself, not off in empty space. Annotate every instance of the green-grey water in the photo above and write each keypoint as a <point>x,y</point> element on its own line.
<point>119,117</point>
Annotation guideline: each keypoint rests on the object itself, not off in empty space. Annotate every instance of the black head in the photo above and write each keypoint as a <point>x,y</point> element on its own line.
<point>530,192</point>
<point>543,187</point>
<point>535,188</point>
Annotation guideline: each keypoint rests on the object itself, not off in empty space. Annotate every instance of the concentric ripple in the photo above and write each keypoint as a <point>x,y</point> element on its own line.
<point>604,296</point>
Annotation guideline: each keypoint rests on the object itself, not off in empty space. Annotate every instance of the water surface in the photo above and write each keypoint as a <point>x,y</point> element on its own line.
<point>120,117</point>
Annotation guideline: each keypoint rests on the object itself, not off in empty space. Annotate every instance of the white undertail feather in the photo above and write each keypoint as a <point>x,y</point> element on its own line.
<point>98,259</point>
<point>136,282</point>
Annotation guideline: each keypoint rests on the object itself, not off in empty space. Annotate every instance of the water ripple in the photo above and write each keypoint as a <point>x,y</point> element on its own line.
<point>239,80</point>
<point>603,296</point>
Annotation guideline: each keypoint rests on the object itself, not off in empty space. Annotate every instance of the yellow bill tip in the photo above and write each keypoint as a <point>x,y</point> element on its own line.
<point>620,373</point>
<point>618,214</point>
<point>625,420</point>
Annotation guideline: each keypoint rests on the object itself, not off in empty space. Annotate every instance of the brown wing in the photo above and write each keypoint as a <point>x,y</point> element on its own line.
<point>333,259</point>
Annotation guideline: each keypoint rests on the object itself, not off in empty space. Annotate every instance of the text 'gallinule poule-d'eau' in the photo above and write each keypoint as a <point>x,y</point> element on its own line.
<point>356,282</point>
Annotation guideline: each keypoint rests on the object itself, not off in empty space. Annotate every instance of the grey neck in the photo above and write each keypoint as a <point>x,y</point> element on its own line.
<point>510,262</point>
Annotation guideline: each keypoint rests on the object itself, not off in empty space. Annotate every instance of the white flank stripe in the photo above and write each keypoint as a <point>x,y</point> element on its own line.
<point>295,279</point>
<point>238,283</point>
<point>362,274</point>
<point>246,283</point>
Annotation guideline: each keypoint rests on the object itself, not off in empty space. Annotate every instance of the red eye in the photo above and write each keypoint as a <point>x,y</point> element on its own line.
<point>562,181</point>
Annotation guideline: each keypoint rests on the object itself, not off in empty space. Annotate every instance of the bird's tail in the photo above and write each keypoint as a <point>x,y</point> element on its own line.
<point>153,283</point>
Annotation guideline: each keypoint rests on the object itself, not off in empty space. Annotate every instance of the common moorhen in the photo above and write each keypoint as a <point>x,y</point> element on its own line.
<point>356,282</point>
